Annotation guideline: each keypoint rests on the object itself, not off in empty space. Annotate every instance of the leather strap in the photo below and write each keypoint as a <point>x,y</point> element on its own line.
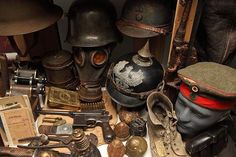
<point>160,29</point>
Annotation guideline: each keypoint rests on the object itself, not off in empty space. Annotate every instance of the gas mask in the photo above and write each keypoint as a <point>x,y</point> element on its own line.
<point>91,64</point>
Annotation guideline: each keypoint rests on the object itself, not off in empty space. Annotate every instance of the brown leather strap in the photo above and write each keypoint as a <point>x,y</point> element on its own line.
<point>161,30</point>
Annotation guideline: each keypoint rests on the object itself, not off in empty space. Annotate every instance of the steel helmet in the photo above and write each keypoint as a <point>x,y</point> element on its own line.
<point>145,18</point>
<point>133,77</point>
<point>27,16</point>
<point>92,23</point>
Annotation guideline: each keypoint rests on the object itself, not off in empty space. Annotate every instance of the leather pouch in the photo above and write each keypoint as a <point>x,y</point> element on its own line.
<point>209,143</point>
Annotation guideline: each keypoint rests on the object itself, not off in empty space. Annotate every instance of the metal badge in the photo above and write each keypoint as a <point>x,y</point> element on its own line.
<point>64,129</point>
<point>126,77</point>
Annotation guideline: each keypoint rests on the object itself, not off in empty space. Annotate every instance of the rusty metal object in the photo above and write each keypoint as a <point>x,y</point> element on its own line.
<point>48,154</point>
<point>92,106</point>
<point>16,152</point>
<point>16,89</point>
<point>56,121</point>
<point>116,149</point>
<point>28,77</point>
<point>127,116</point>
<point>138,127</point>
<point>180,47</point>
<point>65,129</point>
<point>26,73</point>
<point>122,131</point>
<point>27,16</point>
<point>136,146</point>
<point>89,119</point>
<point>77,143</point>
<point>93,139</point>
<point>60,70</point>
<point>21,152</point>
<point>35,141</point>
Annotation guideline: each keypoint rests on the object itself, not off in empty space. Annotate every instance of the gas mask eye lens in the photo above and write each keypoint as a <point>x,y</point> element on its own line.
<point>99,58</point>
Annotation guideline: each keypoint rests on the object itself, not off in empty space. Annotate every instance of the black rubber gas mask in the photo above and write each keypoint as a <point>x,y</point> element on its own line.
<point>91,64</point>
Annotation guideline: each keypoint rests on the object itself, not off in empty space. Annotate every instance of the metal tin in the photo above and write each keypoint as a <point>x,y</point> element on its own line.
<point>59,69</point>
<point>136,146</point>
<point>62,98</point>
<point>122,131</point>
<point>116,149</point>
<point>127,115</point>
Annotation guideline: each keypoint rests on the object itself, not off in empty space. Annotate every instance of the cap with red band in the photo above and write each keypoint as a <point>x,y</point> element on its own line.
<point>206,102</point>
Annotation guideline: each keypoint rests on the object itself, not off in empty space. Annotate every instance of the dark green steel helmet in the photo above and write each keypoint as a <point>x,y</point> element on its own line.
<point>92,23</point>
<point>145,18</point>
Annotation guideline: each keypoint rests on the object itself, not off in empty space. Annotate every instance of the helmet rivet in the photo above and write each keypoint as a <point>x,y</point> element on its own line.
<point>195,89</point>
<point>139,9</point>
<point>139,17</point>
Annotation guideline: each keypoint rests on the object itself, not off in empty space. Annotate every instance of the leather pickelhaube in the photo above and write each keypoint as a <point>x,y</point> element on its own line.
<point>145,18</point>
<point>27,16</point>
<point>133,77</point>
<point>92,23</point>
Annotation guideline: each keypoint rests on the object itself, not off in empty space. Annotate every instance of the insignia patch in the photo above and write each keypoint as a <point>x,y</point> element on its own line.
<point>125,77</point>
